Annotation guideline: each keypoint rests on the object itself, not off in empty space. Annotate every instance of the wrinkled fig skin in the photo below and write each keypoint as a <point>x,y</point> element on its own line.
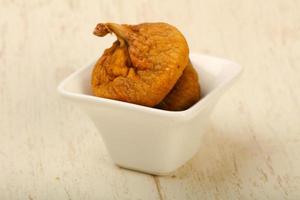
<point>143,65</point>
<point>185,93</point>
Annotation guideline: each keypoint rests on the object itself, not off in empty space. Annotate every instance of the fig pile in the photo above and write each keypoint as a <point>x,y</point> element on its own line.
<point>148,65</point>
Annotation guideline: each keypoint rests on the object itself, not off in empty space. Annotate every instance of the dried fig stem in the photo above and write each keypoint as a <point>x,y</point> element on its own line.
<point>120,31</point>
<point>101,30</point>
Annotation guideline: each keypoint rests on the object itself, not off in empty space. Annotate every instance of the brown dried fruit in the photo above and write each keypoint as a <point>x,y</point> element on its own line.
<point>185,93</point>
<point>143,65</point>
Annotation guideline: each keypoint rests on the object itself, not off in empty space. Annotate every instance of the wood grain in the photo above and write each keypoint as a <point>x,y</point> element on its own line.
<point>50,150</point>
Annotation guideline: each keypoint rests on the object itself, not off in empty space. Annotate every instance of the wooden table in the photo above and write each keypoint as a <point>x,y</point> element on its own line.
<point>49,149</point>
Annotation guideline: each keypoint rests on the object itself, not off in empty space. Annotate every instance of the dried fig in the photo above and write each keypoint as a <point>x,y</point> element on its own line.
<point>185,93</point>
<point>143,65</point>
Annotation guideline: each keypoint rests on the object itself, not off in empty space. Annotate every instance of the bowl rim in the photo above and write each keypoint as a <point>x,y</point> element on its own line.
<point>184,114</point>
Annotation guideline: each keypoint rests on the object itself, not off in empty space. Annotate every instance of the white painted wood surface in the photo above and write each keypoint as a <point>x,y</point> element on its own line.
<point>50,150</point>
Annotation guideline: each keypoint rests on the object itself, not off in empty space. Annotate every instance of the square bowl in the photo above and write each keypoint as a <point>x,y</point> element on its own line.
<point>148,139</point>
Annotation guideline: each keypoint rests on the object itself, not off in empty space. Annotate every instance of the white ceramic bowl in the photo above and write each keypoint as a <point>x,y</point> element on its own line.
<point>148,139</point>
